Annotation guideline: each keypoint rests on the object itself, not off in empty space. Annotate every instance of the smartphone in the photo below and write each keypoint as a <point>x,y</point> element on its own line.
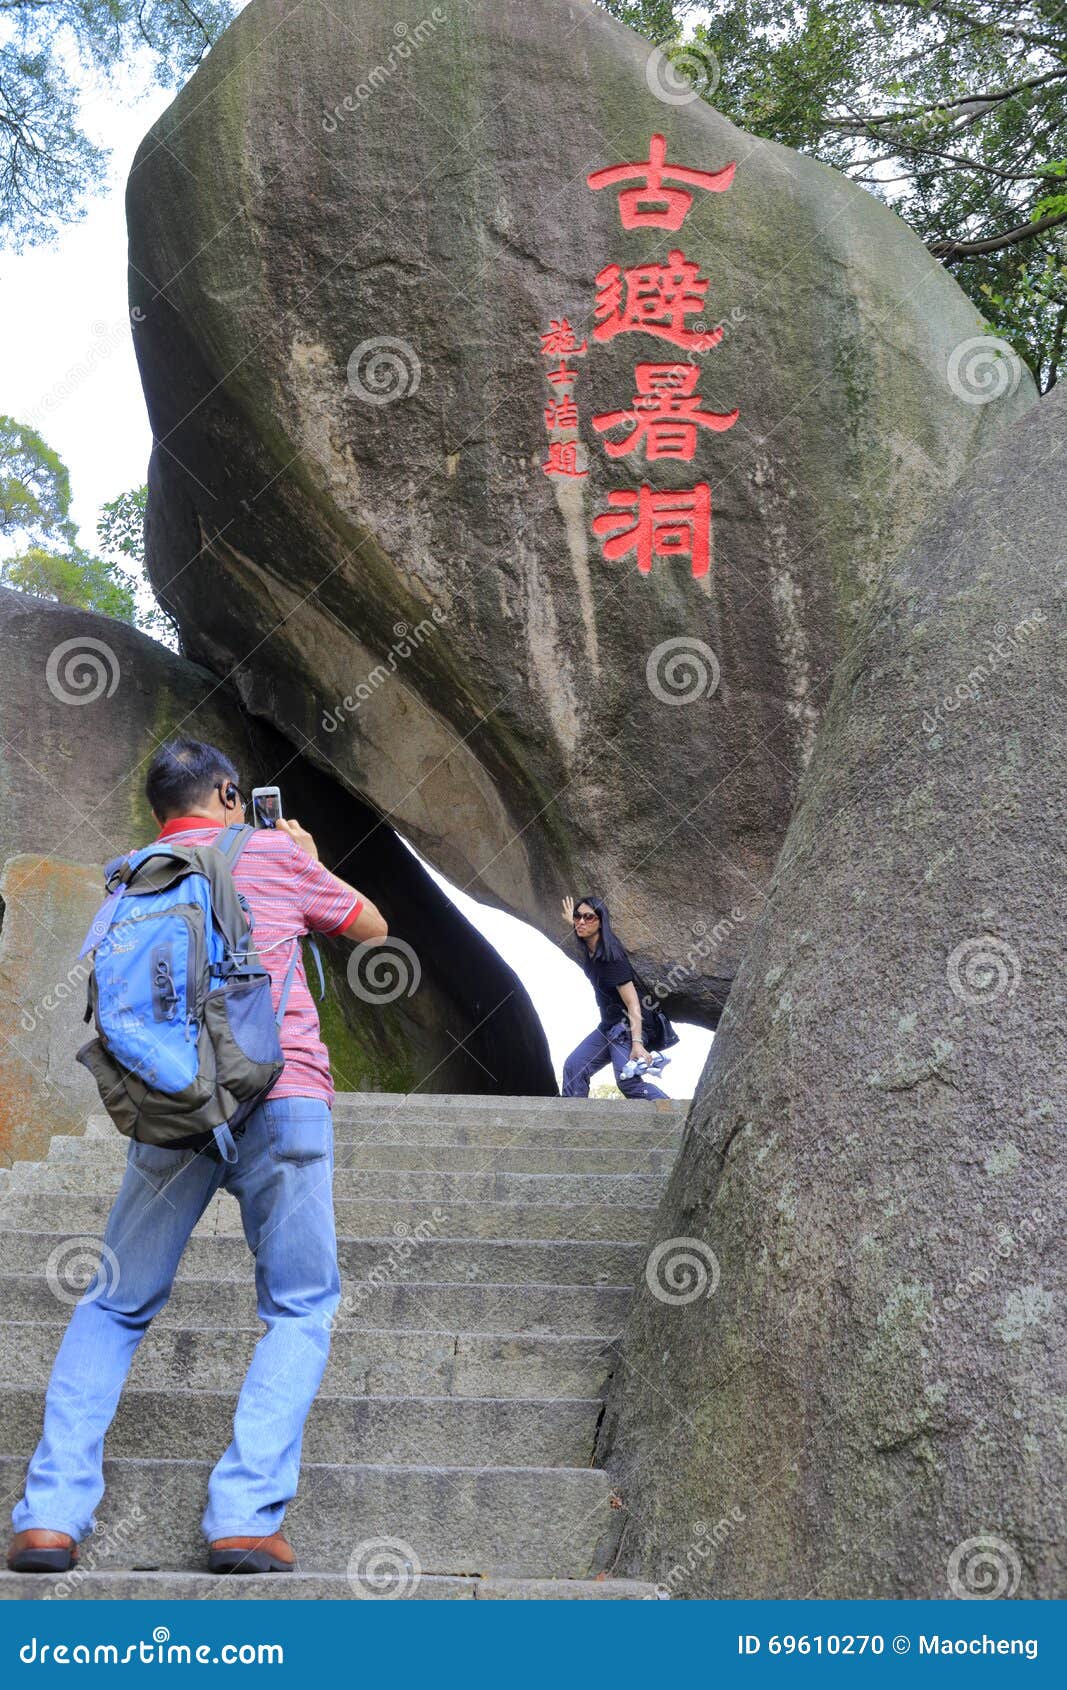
<point>266,805</point>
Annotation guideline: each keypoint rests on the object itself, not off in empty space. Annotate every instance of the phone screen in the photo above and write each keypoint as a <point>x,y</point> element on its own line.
<point>267,808</point>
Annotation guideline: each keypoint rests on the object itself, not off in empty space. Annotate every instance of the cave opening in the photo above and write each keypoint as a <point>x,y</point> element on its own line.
<point>560,993</point>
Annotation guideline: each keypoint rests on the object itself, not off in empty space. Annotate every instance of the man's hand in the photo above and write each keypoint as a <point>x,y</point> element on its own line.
<point>299,835</point>
<point>638,1053</point>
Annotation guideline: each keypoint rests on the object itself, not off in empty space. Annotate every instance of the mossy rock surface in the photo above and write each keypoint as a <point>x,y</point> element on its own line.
<point>852,1327</point>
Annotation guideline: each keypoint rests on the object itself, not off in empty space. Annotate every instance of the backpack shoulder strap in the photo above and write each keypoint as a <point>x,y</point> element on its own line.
<point>230,908</point>
<point>152,866</point>
<point>232,841</point>
<point>287,983</point>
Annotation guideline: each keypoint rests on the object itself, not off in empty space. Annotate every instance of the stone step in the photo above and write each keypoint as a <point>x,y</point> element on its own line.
<point>582,1111</point>
<point>593,1190</point>
<point>308,1587</point>
<point>579,1310</point>
<point>32,1210</point>
<point>387,1431</point>
<point>363,1361</point>
<point>509,1522</point>
<point>434,1158</point>
<point>486,1133</point>
<point>492,1261</point>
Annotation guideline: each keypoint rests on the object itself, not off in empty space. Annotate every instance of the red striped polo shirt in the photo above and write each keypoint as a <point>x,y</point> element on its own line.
<point>289,893</point>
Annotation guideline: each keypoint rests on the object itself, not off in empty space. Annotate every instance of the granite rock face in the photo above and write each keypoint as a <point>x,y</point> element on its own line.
<point>348,235</point>
<point>85,702</point>
<point>46,905</point>
<point>843,1375</point>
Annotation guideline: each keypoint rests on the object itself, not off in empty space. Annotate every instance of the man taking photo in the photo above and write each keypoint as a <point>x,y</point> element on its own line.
<point>282,1179</point>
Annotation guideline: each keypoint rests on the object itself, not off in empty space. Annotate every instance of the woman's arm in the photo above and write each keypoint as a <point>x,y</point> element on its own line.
<point>632,1005</point>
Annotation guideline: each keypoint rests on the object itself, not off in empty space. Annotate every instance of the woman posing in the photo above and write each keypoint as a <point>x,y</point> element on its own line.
<point>619,1037</point>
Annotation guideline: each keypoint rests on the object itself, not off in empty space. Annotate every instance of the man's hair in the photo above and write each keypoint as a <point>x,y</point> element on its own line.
<point>184,773</point>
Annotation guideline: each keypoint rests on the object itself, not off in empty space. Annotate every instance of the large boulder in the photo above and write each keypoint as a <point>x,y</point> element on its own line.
<point>348,235</point>
<point>46,905</point>
<point>843,1375</point>
<point>85,702</point>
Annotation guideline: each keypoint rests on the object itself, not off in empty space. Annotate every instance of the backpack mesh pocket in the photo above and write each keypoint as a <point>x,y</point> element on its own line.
<point>248,1052</point>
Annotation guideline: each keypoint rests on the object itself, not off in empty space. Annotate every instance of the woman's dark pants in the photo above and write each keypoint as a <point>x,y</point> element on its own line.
<point>595,1053</point>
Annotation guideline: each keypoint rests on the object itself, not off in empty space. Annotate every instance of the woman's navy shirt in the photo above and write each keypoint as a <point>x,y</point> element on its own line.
<point>606,977</point>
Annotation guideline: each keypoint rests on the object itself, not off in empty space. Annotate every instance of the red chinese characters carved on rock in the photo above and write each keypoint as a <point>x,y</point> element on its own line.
<point>654,299</point>
<point>658,524</point>
<point>651,205</point>
<point>667,412</point>
<point>561,413</point>
<point>563,459</point>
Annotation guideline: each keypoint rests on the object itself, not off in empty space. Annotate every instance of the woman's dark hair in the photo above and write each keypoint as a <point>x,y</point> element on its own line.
<point>185,772</point>
<point>609,948</point>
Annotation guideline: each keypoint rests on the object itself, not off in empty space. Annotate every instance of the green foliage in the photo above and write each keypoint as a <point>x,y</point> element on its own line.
<point>120,529</point>
<point>45,557</point>
<point>120,535</point>
<point>953,111</point>
<point>73,577</point>
<point>47,162</point>
<point>34,487</point>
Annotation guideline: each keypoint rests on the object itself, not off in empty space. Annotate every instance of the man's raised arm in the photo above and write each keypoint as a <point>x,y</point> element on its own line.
<point>365,924</point>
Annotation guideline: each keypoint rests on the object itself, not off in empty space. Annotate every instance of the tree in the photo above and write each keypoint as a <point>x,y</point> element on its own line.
<point>34,487</point>
<point>73,577</point>
<point>953,111</point>
<point>47,162</point>
<point>120,534</point>
<point>46,559</point>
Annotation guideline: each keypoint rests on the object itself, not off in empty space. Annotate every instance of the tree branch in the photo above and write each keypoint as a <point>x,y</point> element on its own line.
<point>947,249</point>
<point>839,120</point>
<point>958,15</point>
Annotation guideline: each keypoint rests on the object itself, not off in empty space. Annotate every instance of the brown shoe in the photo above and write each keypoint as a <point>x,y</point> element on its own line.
<point>272,1554</point>
<point>40,1551</point>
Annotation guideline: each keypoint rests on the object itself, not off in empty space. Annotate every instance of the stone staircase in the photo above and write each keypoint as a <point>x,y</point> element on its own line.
<point>449,1451</point>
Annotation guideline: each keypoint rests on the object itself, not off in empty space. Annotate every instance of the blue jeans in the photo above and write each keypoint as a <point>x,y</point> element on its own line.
<point>593,1054</point>
<point>283,1180</point>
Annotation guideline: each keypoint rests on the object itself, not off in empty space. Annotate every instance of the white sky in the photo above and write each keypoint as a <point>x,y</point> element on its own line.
<point>69,372</point>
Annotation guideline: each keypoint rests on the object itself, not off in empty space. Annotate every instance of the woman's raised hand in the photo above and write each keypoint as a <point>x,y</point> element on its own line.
<point>568,911</point>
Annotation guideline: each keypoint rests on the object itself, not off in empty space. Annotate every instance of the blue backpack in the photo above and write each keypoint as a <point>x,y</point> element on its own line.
<point>187,1038</point>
